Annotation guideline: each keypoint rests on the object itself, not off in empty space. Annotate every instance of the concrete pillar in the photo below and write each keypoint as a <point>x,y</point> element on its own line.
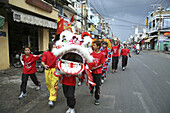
<point>4,48</point>
<point>43,38</point>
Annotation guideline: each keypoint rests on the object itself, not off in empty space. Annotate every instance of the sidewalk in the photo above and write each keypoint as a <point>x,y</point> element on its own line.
<point>10,81</point>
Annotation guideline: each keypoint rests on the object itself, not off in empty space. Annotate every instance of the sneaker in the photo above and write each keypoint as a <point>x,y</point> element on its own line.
<point>113,71</point>
<point>96,102</point>
<point>102,81</point>
<point>38,88</point>
<point>70,110</point>
<point>79,84</point>
<point>50,103</point>
<point>22,95</point>
<point>123,68</point>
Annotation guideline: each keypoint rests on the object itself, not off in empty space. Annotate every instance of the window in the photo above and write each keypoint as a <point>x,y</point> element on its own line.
<point>166,23</point>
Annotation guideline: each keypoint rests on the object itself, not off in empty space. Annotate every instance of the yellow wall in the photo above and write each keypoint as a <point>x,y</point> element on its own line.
<point>4,49</point>
<point>43,39</point>
<point>24,5</point>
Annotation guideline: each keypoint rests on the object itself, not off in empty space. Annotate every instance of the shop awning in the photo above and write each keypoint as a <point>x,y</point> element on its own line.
<point>148,40</point>
<point>34,20</point>
<point>2,21</point>
<point>167,34</point>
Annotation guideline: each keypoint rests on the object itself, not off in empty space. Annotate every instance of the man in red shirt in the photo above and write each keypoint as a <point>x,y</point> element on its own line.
<point>49,61</point>
<point>29,69</point>
<point>124,52</point>
<point>115,55</point>
<point>96,68</point>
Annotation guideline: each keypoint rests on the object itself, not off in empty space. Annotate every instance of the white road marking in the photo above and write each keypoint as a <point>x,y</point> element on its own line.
<point>146,66</point>
<point>168,82</point>
<point>139,95</point>
<point>155,72</point>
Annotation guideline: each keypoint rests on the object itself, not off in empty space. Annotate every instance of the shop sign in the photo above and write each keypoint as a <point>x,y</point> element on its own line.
<point>167,34</point>
<point>29,19</point>
<point>2,33</point>
<point>40,4</point>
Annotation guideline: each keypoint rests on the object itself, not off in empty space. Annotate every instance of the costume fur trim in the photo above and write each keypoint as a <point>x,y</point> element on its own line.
<point>81,49</point>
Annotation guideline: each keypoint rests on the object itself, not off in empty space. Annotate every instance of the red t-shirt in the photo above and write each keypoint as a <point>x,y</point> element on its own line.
<point>49,59</point>
<point>29,64</point>
<point>98,59</point>
<point>134,46</point>
<point>105,52</point>
<point>69,80</point>
<point>115,50</point>
<point>124,52</point>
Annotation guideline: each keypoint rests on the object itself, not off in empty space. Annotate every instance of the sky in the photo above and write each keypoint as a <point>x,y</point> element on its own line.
<point>124,15</point>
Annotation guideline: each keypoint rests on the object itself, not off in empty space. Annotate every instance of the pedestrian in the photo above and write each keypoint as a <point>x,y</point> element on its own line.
<point>115,55</point>
<point>49,61</point>
<point>106,52</point>
<point>124,52</point>
<point>69,83</point>
<point>96,68</point>
<point>29,69</point>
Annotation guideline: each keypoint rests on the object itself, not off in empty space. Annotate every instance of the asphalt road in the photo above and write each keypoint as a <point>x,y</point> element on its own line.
<point>144,87</point>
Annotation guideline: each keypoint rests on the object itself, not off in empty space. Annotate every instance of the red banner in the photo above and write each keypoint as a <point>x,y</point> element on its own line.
<point>63,25</point>
<point>60,26</point>
<point>167,34</point>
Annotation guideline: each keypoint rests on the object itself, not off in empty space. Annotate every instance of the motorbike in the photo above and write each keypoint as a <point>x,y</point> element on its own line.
<point>137,51</point>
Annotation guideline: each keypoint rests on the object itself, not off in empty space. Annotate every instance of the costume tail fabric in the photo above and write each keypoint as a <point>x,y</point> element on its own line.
<point>89,79</point>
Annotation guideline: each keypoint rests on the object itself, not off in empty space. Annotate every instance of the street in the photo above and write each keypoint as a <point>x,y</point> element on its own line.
<point>144,87</point>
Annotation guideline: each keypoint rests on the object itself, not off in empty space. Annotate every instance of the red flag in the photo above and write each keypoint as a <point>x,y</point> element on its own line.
<point>67,26</point>
<point>72,18</point>
<point>60,26</point>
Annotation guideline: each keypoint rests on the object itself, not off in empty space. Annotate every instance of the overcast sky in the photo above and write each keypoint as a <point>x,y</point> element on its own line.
<point>126,13</point>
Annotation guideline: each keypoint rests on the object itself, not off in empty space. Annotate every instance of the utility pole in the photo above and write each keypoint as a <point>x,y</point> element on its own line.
<point>102,27</point>
<point>81,15</point>
<point>99,23</point>
<point>85,19</point>
<point>108,28</point>
<point>159,32</point>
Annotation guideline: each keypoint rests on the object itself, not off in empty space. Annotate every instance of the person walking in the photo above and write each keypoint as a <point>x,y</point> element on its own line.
<point>99,60</point>
<point>49,61</point>
<point>29,69</point>
<point>124,52</point>
<point>69,82</point>
<point>115,55</point>
<point>106,52</point>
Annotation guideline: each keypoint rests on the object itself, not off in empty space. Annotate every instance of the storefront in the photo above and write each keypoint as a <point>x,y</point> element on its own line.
<point>27,24</point>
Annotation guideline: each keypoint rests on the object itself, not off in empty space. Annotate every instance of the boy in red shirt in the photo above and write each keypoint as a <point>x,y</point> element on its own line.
<point>69,82</point>
<point>99,60</point>
<point>115,55</point>
<point>49,61</point>
<point>124,52</point>
<point>106,52</point>
<point>29,69</point>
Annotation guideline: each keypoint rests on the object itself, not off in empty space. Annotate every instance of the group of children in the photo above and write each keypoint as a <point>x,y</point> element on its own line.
<point>102,58</point>
<point>115,55</point>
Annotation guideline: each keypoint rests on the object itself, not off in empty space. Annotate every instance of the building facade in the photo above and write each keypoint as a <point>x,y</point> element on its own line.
<point>27,23</point>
